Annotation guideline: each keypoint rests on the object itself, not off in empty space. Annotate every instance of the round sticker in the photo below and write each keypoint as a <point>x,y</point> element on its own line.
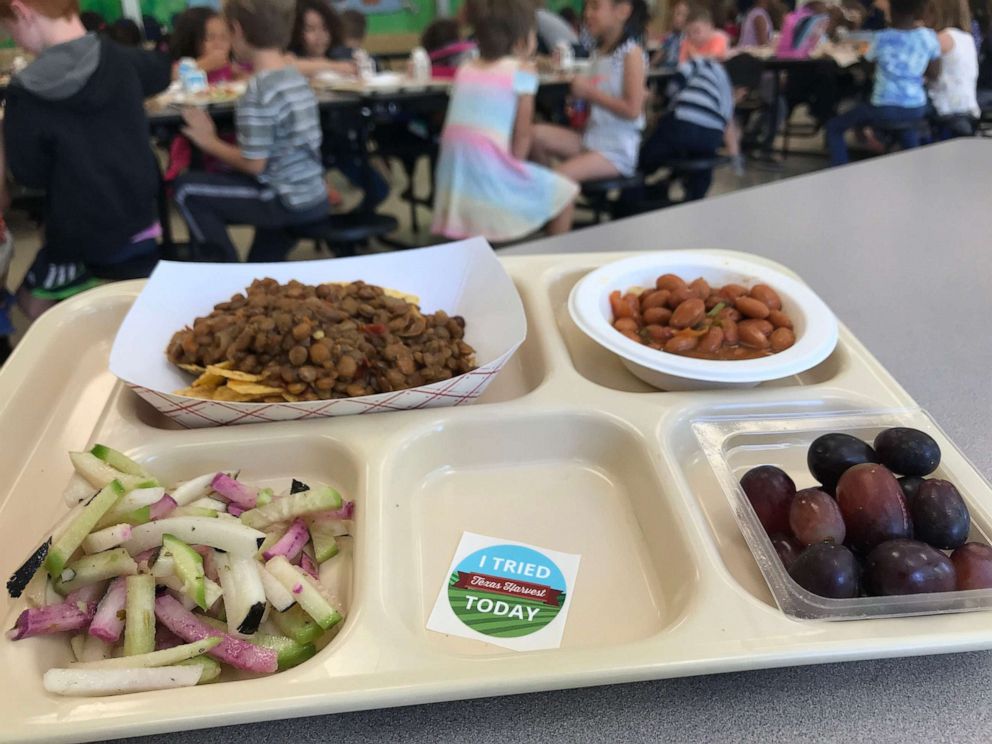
<point>506,591</point>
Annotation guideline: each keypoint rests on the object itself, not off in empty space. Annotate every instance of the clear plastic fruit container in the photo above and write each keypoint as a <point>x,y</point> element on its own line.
<point>733,446</point>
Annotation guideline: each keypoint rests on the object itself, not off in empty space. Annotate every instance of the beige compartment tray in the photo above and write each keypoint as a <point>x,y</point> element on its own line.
<point>565,450</point>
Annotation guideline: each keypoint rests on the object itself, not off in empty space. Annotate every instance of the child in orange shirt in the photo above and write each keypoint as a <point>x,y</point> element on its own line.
<point>702,39</point>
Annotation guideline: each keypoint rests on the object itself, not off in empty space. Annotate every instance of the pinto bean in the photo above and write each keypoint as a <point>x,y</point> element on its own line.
<point>688,313</point>
<point>657,298</point>
<point>780,319</point>
<point>751,308</point>
<point>764,293</point>
<point>712,341</point>
<point>657,315</point>
<point>670,282</point>
<point>681,344</point>
<point>781,339</point>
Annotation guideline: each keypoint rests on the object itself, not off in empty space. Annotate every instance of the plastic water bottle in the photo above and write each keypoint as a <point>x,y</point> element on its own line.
<point>420,65</point>
<point>564,56</point>
<point>365,65</point>
<point>192,78</point>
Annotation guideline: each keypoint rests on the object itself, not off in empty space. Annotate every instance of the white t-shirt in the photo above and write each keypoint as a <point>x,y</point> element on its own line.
<point>954,91</point>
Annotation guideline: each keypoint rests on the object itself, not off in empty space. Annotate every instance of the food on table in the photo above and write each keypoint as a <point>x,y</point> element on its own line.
<point>787,547</point>
<point>827,569</point>
<point>770,491</point>
<point>873,506</point>
<point>217,573</point>
<point>907,451</point>
<point>830,455</point>
<point>940,515</point>
<point>899,528</point>
<point>297,342</point>
<point>815,517</point>
<point>973,566</point>
<point>907,567</point>
<point>696,320</point>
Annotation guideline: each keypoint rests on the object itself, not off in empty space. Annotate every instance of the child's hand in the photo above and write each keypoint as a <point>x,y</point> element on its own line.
<point>199,127</point>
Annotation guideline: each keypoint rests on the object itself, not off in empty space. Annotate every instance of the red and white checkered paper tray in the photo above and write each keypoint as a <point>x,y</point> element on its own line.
<point>463,278</point>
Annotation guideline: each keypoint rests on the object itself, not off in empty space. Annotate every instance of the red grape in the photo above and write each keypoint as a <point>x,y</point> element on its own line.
<point>873,506</point>
<point>770,491</point>
<point>828,570</point>
<point>907,567</point>
<point>815,517</point>
<point>973,564</point>
<point>787,547</point>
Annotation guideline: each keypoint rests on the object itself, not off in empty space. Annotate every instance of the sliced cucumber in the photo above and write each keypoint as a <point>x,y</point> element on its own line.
<point>289,652</point>
<point>226,534</point>
<point>307,595</point>
<point>80,527</point>
<point>128,508</point>
<point>139,624</point>
<point>77,643</point>
<point>244,595</point>
<point>92,569</point>
<point>77,490</point>
<point>189,569</point>
<point>119,461</point>
<point>292,506</point>
<point>99,473</point>
<point>297,624</point>
<point>95,649</point>
<point>194,511</point>
<point>322,535</point>
<point>209,667</point>
<point>212,590</point>
<point>165,657</point>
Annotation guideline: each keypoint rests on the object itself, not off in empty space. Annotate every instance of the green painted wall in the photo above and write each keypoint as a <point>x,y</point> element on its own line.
<point>391,23</point>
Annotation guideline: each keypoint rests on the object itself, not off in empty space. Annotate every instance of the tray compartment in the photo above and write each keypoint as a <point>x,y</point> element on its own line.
<point>603,368</point>
<point>565,481</point>
<point>265,462</point>
<point>732,447</point>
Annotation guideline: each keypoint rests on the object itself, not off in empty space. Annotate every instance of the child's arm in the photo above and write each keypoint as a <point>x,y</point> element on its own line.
<point>631,104</point>
<point>311,67</point>
<point>523,125</point>
<point>201,131</point>
<point>933,70</point>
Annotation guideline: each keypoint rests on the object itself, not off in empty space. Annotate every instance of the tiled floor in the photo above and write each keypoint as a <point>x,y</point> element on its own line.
<point>26,236</point>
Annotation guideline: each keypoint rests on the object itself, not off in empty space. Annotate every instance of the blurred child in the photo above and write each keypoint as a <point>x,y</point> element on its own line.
<point>317,42</point>
<point>701,106</point>
<point>671,43</point>
<point>442,40</point>
<point>702,38</point>
<point>953,93</point>
<point>903,55</point>
<point>615,91</point>
<point>318,45</point>
<point>75,127</point>
<point>354,30</point>
<point>803,30</point>
<point>757,28</point>
<point>279,180</point>
<point>484,185</point>
<point>201,33</point>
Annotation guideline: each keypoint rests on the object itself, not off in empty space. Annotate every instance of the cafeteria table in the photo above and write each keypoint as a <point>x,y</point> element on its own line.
<point>898,247</point>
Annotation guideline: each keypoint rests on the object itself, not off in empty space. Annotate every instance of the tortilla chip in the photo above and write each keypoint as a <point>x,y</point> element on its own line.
<point>232,374</point>
<point>225,393</point>
<point>192,392</point>
<point>252,388</point>
<point>194,369</point>
<point>290,398</point>
<point>208,380</point>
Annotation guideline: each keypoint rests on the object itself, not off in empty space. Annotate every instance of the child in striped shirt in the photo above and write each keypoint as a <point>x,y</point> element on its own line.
<point>701,106</point>
<point>279,180</point>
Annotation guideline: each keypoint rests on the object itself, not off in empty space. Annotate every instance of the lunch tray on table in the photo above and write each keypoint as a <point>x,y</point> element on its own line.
<point>566,450</point>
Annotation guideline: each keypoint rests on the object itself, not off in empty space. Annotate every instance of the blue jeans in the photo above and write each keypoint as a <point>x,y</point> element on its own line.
<point>864,114</point>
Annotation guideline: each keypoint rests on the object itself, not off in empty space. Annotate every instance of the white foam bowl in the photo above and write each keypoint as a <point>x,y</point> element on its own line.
<point>815,325</point>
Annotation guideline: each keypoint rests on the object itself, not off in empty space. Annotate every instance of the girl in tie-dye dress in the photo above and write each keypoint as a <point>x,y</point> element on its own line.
<point>483,184</point>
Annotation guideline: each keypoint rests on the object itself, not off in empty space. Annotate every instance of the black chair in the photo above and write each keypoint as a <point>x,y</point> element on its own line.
<point>657,192</point>
<point>597,194</point>
<point>343,233</point>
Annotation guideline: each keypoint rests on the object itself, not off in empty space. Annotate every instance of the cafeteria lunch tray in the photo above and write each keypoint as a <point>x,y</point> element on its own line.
<point>565,450</point>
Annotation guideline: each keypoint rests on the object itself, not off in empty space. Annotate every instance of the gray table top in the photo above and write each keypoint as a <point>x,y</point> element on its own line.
<point>899,248</point>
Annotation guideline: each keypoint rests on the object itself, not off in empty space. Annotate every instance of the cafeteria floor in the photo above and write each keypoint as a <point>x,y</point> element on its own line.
<point>26,235</point>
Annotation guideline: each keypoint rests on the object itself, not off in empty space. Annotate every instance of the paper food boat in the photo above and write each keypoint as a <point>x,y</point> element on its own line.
<point>463,278</point>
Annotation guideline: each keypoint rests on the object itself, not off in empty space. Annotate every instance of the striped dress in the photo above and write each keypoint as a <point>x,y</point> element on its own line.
<point>481,189</point>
